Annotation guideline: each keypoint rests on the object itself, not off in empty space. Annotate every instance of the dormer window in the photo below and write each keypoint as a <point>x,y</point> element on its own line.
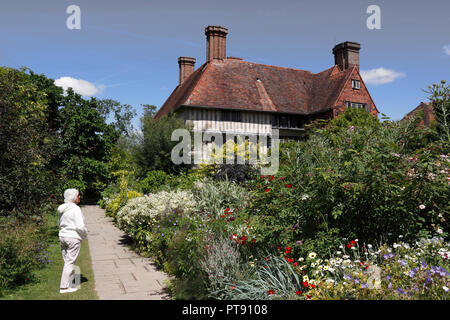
<point>356,84</point>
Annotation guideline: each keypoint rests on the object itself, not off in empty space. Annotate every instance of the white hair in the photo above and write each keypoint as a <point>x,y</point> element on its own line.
<point>70,195</point>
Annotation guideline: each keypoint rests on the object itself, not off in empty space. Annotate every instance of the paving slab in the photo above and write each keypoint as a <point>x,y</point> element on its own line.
<point>120,273</point>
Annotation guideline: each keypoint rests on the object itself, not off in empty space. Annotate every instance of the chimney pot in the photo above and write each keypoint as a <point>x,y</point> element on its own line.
<point>346,55</point>
<point>216,42</point>
<point>187,65</point>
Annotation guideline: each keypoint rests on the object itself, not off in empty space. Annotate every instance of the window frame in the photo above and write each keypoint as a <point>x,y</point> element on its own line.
<point>354,86</point>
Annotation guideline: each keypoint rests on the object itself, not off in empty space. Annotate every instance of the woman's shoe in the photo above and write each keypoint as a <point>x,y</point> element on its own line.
<point>68,290</point>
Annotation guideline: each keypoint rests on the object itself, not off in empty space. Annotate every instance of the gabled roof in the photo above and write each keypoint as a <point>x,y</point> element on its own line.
<point>428,113</point>
<point>238,84</point>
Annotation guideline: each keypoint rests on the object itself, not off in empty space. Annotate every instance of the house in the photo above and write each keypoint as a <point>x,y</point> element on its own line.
<point>427,117</point>
<point>230,95</point>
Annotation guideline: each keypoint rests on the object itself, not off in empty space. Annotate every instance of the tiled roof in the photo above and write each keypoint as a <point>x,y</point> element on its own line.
<point>238,84</point>
<point>428,113</point>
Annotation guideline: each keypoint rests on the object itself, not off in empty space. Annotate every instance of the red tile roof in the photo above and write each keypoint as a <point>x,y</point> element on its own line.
<point>428,113</point>
<point>238,84</point>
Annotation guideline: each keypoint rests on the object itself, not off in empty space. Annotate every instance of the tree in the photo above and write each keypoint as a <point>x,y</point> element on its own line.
<point>122,113</point>
<point>154,146</point>
<point>440,99</point>
<point>27,145</point>
<point>86,144</point>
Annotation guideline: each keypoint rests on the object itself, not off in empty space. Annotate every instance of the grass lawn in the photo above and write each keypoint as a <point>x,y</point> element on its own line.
<point>46,286</point>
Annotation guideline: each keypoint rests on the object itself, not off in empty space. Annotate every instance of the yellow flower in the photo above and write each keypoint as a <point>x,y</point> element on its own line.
<point>305,279</point>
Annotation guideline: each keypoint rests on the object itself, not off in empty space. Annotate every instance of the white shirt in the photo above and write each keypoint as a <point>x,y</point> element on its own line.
<point>71,221</point>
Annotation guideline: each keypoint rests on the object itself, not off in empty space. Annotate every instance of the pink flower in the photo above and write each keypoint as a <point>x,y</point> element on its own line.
<point>421,207</point>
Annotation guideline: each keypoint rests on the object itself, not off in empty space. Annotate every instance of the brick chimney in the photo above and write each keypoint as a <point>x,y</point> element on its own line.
<point>346,55</point>
<point>216,42</point>
<point>187,65</point>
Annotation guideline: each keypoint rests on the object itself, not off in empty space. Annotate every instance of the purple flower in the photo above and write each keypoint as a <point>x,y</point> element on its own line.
<point>388,255</point>
<point>423,265</point>
<point>356,281</point>
<point>401,291</point>
<point>388,277</point>
<point>363,285</point>
<point>402,262</point>
<point>299,242</point>
<point>348,277</point>
<point>412,272</point>
<point>389,285</point>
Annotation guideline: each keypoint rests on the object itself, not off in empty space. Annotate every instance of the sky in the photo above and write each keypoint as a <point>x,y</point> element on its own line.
<point>128,50</point>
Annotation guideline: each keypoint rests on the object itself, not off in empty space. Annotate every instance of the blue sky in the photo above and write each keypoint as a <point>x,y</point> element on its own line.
<point>128,50</point>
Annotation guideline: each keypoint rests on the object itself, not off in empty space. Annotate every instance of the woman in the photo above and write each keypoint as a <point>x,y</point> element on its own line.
<point>72,230</point>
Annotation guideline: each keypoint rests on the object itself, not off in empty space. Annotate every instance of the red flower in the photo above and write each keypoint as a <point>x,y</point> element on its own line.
<point>282,178</point>
<point>288,250</point>
<point>308,296</point>
<point>312,286</point>
<point>349,246</point>
<point>299,293</point>
<point>267,190</point>
<point>262,177</point>
<point>253,240</point>
<point>227,209</point>
<point>279,248</point>
<point>353,242</point>
<point>233,287</point>
<point>288,185</point>
<point>222,216</point>
<point>270,292</point>
<point>295,264</point>
<point>305,284</point>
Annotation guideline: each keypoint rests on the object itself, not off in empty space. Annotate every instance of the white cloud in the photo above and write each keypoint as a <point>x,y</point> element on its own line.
<point>447,49</point>
<point>83,87</point>
<point>380,76</point>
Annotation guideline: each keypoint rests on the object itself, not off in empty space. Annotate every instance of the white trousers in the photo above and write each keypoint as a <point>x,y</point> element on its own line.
<point>70,247</point>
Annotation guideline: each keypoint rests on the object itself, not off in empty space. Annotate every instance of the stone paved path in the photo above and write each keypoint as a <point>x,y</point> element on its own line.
<point>120,273</point>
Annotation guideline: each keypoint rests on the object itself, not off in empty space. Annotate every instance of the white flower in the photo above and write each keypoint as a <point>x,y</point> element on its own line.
<point>338,252</point>
<point>312,255</point>
<point>369,246</point>
<point>421,207</point>
<point>439,230</point>
<point>445,288</point>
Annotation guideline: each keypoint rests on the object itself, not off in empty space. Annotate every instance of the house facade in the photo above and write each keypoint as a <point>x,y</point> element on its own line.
<point>230,95</point>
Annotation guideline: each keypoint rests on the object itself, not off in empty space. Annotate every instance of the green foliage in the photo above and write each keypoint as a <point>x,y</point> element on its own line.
<point>239,173</point>
<point>86,143</point>
<point>27,145</point>
<point>361,181</point>
<point>154,147</point>
<point>440,99</point>
<point>22,250</point>
<point>153,181</point>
